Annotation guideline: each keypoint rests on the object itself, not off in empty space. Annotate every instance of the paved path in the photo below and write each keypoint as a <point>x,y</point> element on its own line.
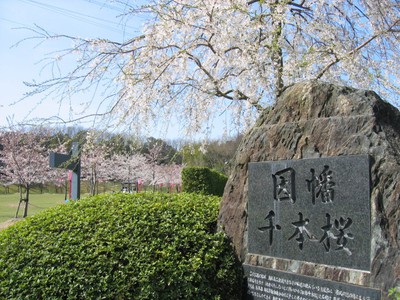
<point>8,223</point>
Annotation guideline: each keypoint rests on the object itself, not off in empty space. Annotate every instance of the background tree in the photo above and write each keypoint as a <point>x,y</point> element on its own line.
<point>215,154</point>
<point>220,153</point>
<point>128,168</point>
<point>194,155</point>
<point>95,161</point>
<point>4,180</point>
<point>195,59</point>
<point>122,144</point>
<point>25,160</point>
<point>172,175</point>
<point>154,157</point>
<point>164,152</point>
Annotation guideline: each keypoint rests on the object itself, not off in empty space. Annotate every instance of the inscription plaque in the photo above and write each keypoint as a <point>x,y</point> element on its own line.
<point>315,210</point>
<point>270,284</point>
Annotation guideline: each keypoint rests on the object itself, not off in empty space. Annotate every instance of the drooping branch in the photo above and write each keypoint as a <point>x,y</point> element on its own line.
<point>193,55</point>
<point>338,59</point>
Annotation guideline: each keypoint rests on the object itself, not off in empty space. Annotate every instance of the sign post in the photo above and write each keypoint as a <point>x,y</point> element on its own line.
<point>71,162</point>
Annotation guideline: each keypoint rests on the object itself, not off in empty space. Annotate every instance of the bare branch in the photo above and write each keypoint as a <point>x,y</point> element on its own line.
<point>357,49</point>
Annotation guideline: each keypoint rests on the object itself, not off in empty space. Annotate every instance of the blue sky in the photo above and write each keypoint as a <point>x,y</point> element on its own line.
<point>82,18</point>
<point>22,63</point>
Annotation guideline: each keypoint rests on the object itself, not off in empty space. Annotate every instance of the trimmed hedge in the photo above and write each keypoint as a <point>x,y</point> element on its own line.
<point>121,246</point>
<point>203,180</point>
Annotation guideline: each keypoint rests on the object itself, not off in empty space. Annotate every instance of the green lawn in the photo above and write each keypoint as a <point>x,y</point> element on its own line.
<point>37,202</point>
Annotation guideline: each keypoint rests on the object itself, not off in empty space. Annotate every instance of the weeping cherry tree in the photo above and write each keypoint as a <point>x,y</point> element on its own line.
<point>196,59</point>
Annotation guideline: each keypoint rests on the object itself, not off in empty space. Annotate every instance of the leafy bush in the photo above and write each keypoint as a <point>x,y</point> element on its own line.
<point>394,293</point>
<point>121,246</point>
<point>203,180</point>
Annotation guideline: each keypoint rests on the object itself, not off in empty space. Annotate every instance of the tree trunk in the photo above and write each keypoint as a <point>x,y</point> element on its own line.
<point>277,53</point>
<point>26,200</point>
<point>93,182</point>
<point>22,199</point>
<point>66,191</point>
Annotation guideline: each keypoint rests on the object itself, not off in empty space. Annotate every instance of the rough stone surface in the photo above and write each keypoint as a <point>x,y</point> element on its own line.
<point>315,119</point>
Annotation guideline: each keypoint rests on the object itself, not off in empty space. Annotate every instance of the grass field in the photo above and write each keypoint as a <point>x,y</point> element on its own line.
<point>37,202</point>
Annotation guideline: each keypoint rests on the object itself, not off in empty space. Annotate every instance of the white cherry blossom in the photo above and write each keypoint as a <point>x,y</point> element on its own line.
<point>196,59</point>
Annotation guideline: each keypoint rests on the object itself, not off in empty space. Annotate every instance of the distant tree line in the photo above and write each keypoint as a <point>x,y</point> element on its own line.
<point>105,157</point>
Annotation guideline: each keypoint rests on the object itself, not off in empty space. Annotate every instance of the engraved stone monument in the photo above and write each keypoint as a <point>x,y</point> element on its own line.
<point>315,210</point>
<point>312,205</point>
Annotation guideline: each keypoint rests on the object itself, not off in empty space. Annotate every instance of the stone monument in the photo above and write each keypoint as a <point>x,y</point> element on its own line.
<point>312,204</point>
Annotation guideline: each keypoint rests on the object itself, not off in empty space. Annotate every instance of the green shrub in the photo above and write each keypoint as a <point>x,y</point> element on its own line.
<point>394,293</point>
<point>121,246</point>
<point>203,180</point>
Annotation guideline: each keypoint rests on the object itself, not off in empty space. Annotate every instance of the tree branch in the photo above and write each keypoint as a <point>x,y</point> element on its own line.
<point>352,52</point>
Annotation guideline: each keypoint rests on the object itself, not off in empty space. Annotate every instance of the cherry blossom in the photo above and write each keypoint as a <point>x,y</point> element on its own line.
<point>25,160</point>
<point>196,59</point>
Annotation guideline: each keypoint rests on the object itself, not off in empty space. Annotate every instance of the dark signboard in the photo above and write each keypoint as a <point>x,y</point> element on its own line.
<point>65,161</point>
<point>269,284</point>
<point>314,210</point>
<point>70,161</point>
